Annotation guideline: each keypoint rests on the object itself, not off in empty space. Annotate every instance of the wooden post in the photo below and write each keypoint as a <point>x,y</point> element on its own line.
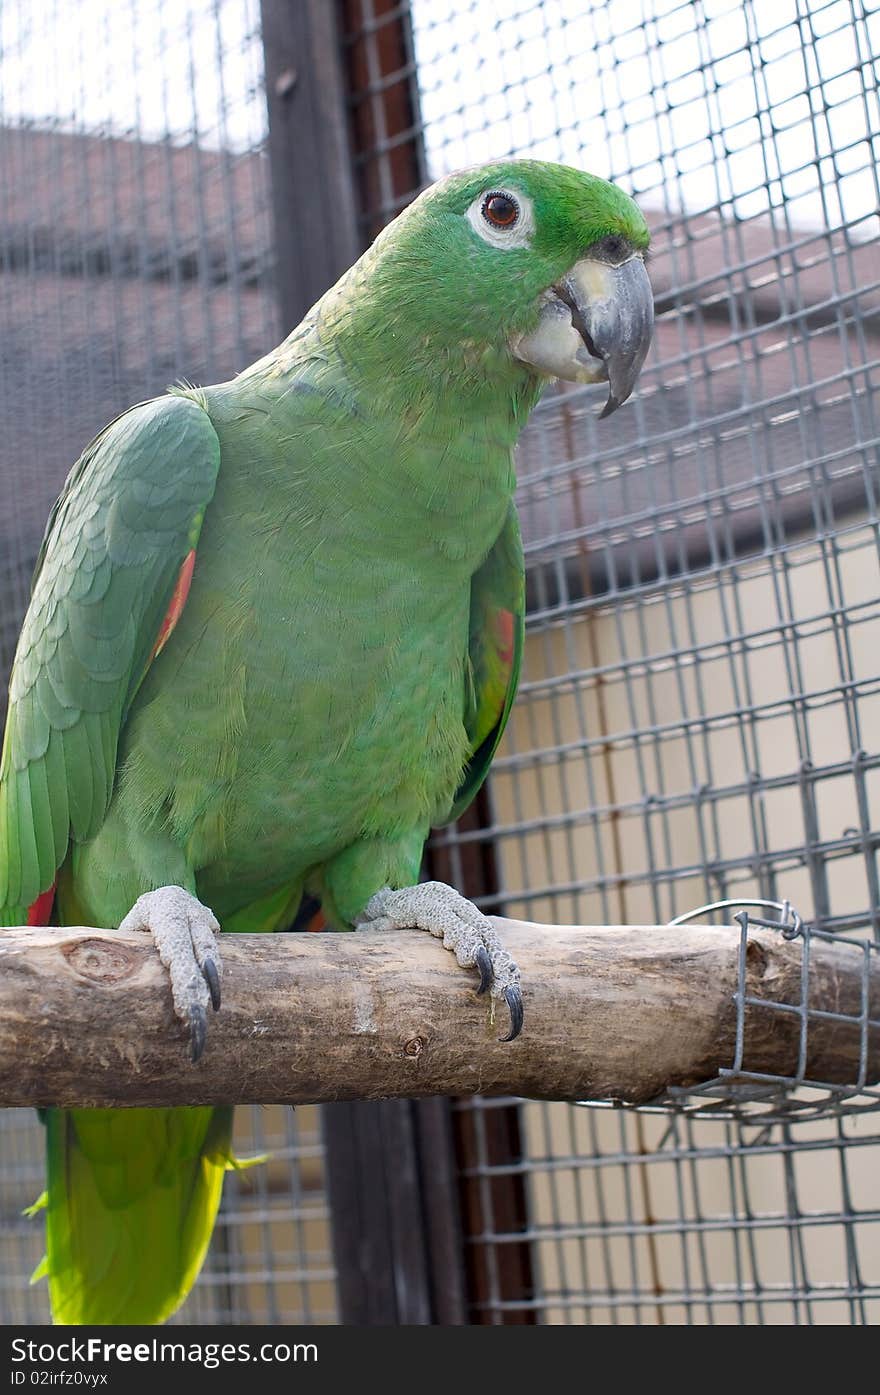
<point>313,195</point>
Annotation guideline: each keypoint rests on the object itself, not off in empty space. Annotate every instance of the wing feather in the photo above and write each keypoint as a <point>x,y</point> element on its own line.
<point>497,627</point>
<point>127,519</point>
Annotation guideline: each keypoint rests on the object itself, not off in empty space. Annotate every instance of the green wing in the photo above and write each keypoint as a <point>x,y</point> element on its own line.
<point>496,643</point>
<point>128,517</point>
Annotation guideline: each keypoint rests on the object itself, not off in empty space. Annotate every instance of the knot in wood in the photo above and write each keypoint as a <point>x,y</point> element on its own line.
<point>100,961</point>
<point>414,1047</point>
<point>757,959</point>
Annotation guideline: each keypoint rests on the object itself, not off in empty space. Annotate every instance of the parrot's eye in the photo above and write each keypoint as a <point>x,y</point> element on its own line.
<point>501,210</point>
<point>502,218</point>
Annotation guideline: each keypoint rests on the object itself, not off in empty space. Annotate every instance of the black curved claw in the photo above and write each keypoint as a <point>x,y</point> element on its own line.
<point>484,964</point>
<point>212,978</point>
<point>198,1024</point>
<point>513,998</point>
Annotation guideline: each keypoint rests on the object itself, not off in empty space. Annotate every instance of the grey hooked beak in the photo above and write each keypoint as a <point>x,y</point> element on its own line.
<point>595,326</point>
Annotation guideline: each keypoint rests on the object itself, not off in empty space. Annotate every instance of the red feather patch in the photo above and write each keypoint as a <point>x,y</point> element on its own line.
<point>178,601</point>
<point>41,910</point>
<point>504,635</point>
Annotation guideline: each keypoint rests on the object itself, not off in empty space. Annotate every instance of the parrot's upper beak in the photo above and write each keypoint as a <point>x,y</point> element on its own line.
<point>595,326</point>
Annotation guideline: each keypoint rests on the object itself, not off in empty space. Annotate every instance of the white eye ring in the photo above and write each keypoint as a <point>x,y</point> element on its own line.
<point>518,234</point>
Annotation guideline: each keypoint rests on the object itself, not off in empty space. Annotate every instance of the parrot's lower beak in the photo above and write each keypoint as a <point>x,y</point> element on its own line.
<point>595,326</point>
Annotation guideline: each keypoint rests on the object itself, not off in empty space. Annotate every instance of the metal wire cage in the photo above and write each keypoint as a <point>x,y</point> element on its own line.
<point>696,721</point>
<point>738,1091</point>
<point>700,689</point>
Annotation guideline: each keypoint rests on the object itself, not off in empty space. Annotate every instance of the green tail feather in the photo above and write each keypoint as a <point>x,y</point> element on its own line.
<point>132,1197</point>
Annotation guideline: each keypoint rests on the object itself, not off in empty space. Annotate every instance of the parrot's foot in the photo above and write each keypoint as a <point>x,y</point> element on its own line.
<point>185,932</point>
<point>439,909</point>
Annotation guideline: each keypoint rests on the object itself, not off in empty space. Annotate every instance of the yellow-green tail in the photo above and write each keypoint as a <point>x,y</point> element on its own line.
<point>132,1197</point>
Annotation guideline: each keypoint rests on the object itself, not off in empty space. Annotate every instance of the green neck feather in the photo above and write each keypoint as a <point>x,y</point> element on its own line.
<point>444,412</point>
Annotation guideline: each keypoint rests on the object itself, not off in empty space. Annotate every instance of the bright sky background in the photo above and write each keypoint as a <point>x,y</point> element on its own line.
<point>752,102</point>
<point>706,101</point>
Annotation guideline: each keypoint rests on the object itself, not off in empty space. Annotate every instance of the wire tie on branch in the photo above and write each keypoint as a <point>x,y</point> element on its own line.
<point>789,922</point>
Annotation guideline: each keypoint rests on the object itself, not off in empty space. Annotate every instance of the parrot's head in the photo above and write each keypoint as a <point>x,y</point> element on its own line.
<point>535,263</point>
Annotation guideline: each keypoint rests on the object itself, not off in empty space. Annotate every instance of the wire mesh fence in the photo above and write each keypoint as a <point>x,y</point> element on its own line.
<point>817,1000</point>
<point>641,1218</point>
<point>700,691</point>
<point>136,242</point>
<point>700,686</point>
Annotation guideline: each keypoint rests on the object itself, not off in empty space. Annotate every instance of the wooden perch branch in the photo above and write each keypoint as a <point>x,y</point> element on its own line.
<point>611,1012</point>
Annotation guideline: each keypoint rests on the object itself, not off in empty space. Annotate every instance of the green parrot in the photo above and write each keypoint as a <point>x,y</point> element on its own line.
<point>274,636</point>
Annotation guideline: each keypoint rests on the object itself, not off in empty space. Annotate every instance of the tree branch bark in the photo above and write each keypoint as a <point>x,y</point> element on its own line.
<point>611,1012</point>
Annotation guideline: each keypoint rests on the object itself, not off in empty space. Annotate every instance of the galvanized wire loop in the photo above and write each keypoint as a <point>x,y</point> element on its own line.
<point>789,922</point>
